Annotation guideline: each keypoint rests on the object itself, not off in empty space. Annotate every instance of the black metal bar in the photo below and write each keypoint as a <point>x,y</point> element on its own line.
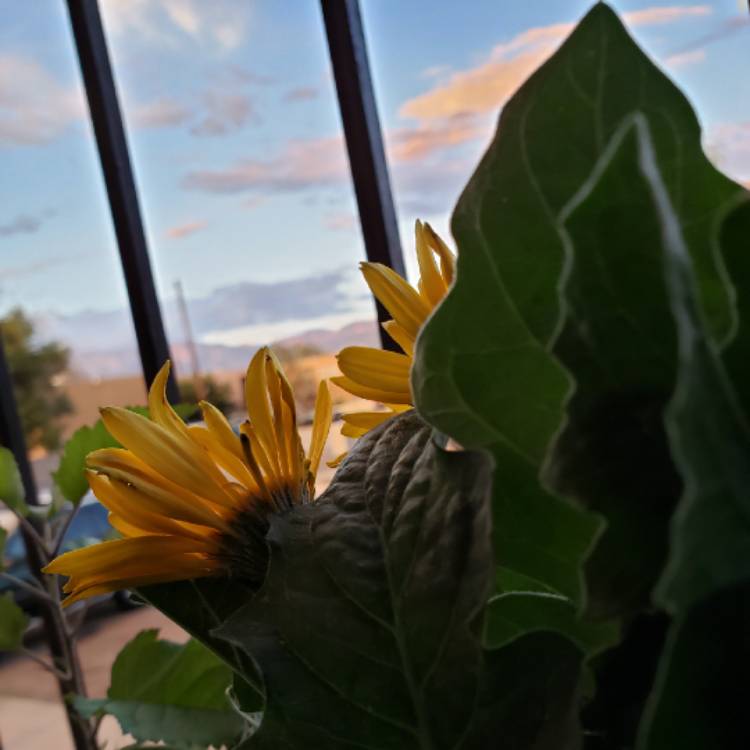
<point>11,429</point>
<point>364,139</point>
<point>123,199</point>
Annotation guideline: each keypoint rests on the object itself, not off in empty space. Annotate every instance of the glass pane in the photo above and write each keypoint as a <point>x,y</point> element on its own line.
<point>68,332</point>
<point>245,186</point>
<point>443,70</point>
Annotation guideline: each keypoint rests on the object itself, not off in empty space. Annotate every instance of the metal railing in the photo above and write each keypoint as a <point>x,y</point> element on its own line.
<point>369,170</point>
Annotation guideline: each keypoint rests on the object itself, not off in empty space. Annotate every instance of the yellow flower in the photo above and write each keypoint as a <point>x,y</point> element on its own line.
<point>193,501</point>
<point>380,375</point>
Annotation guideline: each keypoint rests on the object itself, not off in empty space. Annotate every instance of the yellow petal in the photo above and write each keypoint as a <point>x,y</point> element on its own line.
<point>431,281</point>
<point>158,407</point>
<point>447,258</point>
<point>352,431</point>
<point>400,336</point>
<point>403,302</point>
<point>220,428</point>
<point>224,458</point>
<point>174,456</point>
<point>124,555</point>
<point>159,495</point>
<point>321,426</point>
<point>376,368</point>
<point>258,408</point>
<point>127,503</point>
<point>373,394</point>
<point>337,461</point>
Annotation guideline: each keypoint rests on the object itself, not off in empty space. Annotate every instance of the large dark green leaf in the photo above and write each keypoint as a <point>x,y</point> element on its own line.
<point>710,438</point>
<point>511,615</point>
<point>171,692</point>
<point>12,624</point>
<point>367,629</point>
<point>482,372</point>
<point>619,342</point>
<point>736,252</point>
<point>700,701</point>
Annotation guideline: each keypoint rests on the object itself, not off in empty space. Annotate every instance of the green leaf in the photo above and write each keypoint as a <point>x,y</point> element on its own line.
<point>170,692</point>
<point>707,652</point>
<point>11,487</point>
<point>710,438</point>
<point>372,610</point>
<point>619,342</point>
<point>13,623</point>
<point>734,233</point>
<point>70,476</point>
<point>201,606</point>
<point>510,616</point>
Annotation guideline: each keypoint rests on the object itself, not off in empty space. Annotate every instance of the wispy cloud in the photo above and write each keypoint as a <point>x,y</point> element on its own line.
<point>223,113</point>
<point>685,59</point>
<point>161,113</point>
<point>302,164</point>
<point>484,87</point>
<point>35,106</point>
<point>301,94</point>
<point>21,224</point>
<point>219,23</point>
<point>728,145</point>
<point>185,230</point>
<point>410,144</point>
<point>343,221</point>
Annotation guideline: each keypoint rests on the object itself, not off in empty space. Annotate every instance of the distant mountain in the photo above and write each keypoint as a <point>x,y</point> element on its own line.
<point>122,361</point>
<point>238,305</point>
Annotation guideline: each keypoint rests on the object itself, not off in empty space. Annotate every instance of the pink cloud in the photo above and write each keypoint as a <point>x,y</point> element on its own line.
<point>185,230</point>
<point>341,222</point>
<point>160,113</point>
<point>684,59</point>
<point>485,87</point>
<point>301,94</point>
<point>302,164</point>
<point>225,112</point>
<point>410,144</point>
<point>35,106</point>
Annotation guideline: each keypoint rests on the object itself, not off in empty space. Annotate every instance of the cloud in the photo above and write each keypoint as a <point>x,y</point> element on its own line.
<point>224,113</point>
<point>302,164</point>
<point>219,23</point>
<point>301,94</point>
<point>342,221</point>
<point>684,59</point>
<point>185,230</point>
<point>728,145</point>
<point>22,224</point>
<point>35,106</point>
<point>39,266</point>
<point>410,144</point>
<point>485,87</point>
<point>161,113</point>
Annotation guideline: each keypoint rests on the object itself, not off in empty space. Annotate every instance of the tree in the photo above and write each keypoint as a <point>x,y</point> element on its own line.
<point>219,394</point>
<point>36,372</point>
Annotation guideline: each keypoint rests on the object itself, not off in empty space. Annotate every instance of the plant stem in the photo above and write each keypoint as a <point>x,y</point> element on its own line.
<point>62,647</point>
<point>34,589</point>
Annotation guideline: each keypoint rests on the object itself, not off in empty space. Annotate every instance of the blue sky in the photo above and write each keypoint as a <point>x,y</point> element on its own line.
<point>236,140</point>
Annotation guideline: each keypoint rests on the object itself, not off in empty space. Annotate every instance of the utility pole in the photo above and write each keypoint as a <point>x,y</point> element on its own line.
<point>189,341</point>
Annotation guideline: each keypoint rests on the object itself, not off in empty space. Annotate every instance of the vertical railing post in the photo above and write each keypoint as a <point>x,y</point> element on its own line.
<point>106,118</point>
<point>364,139</point>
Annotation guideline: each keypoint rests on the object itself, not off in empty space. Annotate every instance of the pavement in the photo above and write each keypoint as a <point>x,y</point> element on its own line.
<point>31,715</point>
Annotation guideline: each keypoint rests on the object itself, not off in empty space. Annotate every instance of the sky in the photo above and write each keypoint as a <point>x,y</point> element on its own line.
<point>237,145</point>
